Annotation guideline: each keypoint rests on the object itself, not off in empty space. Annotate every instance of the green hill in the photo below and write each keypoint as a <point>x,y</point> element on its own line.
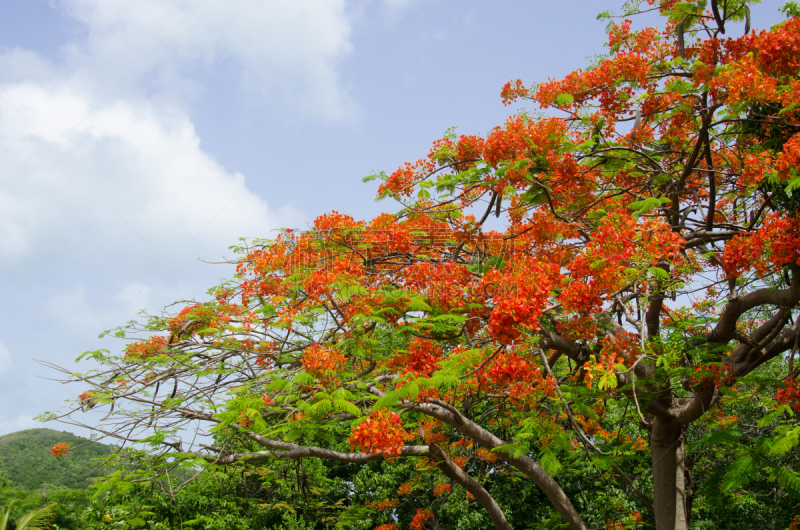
<point>26,456</point>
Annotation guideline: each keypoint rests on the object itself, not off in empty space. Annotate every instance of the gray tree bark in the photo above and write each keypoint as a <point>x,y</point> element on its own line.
<point>667,449</point>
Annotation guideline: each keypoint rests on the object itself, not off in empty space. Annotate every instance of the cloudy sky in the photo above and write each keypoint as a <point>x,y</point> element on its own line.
<point>138,137</point>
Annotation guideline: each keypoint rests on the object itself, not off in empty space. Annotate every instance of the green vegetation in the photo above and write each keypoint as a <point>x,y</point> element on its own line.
<point>26,456</point>
<point>318,494</point>
<point>68,506</point>
<point>36,519</point>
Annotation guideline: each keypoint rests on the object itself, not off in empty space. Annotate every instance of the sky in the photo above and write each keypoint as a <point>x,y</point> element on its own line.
<point>140,139</point>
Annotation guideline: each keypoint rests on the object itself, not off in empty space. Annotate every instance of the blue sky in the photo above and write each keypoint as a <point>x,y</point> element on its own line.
<point>141,136</point>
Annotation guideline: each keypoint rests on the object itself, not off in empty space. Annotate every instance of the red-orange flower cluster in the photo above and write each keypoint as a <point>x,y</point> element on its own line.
<point>422,358</point>
<point>197,317</point>
<point>766,250</point>
<point>441,489</point>
<point>60,449</point>
<point>422,517</point>
<point>712,374</point>
<point>384,505</point>
<point>382,432</point>
<point>790,393</point>
<point>146,348</point>
<point>320,361</point>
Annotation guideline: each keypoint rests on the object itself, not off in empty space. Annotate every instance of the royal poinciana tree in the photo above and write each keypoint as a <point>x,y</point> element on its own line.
<point>644,252</point>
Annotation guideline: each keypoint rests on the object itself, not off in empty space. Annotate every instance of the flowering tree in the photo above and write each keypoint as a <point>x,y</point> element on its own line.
<point>645,257</point>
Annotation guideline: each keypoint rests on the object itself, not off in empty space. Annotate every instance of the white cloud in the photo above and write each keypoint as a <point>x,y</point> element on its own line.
<point>286,51</point>
<point>134,293</point>
<point>88,312</point>
<point>70,307</point>
<point>11,421</point>
<point>104,179</point>
<point>6,363</point>
<point>131,177</point>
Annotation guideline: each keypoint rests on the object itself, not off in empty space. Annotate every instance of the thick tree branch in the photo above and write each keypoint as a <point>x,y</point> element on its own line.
<point>285,450</point>
<point>460,477</point>
<point>725,329</point>
<point>450,416</point>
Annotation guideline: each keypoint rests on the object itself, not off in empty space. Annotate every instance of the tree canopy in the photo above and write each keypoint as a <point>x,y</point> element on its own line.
<point>599,280</point>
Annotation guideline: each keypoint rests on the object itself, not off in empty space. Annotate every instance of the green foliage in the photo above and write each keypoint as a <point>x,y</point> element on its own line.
<point>26,457</point>
<point>36,519</point>
<point>67,506</point>
<point>743,471</point>
<point>791,9</point>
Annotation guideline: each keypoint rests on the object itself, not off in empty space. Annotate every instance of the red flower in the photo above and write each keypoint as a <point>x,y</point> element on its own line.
<point>441,490</point>
<point>422,517</point>
<point>59,450</point>
<point>382,433</point>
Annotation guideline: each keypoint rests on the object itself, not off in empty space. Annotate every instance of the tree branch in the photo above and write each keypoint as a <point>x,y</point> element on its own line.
<point>459,476</point>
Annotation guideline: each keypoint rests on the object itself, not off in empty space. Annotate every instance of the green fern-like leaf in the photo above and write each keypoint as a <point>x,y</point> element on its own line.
<point>714,496</point>
<point>789,480</point>
<point>343,405</point>
<point>739,473</point>
<point>714,438</point>
<point>550,462</point>
<point>783,443</point>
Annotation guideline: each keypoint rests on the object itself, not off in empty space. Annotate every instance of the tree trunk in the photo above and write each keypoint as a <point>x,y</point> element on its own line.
<point>669,490</point>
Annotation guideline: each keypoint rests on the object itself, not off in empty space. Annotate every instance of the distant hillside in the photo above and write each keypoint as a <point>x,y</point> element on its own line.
<point>25,455</point>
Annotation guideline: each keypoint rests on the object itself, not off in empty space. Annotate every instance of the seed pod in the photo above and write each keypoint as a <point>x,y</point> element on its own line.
<point>679,29</point>
<point>746,20</point>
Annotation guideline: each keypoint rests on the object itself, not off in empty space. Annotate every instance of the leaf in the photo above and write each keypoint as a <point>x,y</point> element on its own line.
<point>658,273</point>
<point>379,175</point>
<point>391,398</point>
<point>642,207</point>
<point>773,415</point>
<point>714,438</point>
<point>342,405</point>
<point>783,443</point>
<point>303,378</point>
<point>323,406</point>
<point>739,473</point>
<point>585,146</point>
<point>278,385</point>
<point>418,304</point>
<point>535,195</point>
<point>413,391</point>
<point>713,490</point>
<point>520,450</point>
<point>36,519</point>
<point>550,462</point>
<point>565,99</point>
<point>789,480</point>
<point>97,355</point>
<point>607,380</point>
